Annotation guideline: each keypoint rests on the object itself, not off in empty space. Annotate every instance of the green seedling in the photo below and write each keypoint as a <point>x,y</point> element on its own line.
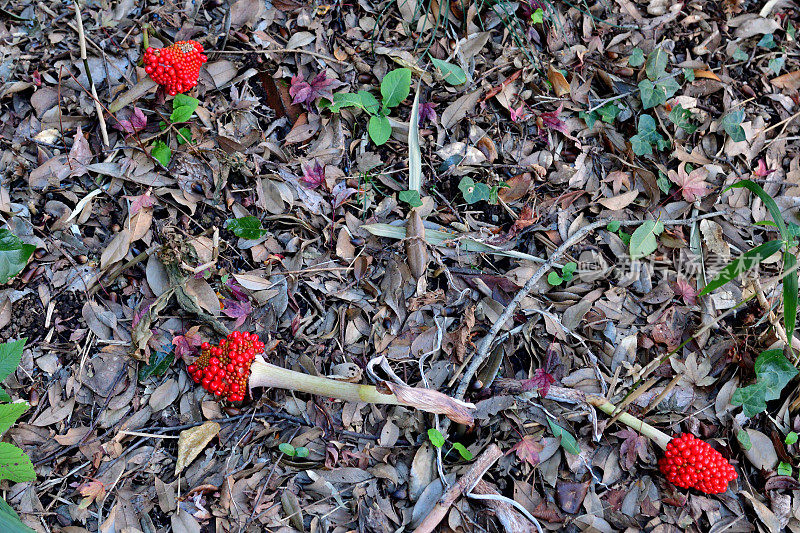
<point>300,452</point>
<point>438,440</point>
<point>395,87</point>
<point>183,107</point>
<point>567,273</point>
<point>476,192</point>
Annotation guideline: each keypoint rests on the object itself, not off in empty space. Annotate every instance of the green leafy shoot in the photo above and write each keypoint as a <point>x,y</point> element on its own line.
<point>537,17</point>
<point>682,118</point>
<point>436,437</point>
<point>182,108</point>
<point>744,439</point>
<point>14,255</point>
<point>158,364</point>
<point>647,137</point>
<point>784,469</point>
<point>162,152</point>
<point>287,449</point>
<point>245,227</point>
<point>476,192</point>
<point>773,373</point>
<point>791,438</point>
<point>463,451</point>
<point>567,273</point>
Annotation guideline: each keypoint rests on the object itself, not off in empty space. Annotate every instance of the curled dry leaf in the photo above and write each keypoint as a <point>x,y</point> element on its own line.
<point>192,441</point>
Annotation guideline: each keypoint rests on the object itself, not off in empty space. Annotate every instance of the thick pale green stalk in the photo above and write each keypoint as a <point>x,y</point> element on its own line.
<point>264,374</point>
<point>656,435</point>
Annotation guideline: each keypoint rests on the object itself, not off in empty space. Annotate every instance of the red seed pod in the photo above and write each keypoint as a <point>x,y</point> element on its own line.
<point>692,463</point>
<point>176,67</point>
<point>224,370</point>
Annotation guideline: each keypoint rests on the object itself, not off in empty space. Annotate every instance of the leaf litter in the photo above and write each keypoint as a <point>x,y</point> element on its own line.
<point>249,204</point>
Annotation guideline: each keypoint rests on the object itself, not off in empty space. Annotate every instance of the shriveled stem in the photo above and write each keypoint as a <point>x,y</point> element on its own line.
<point>263,374</point>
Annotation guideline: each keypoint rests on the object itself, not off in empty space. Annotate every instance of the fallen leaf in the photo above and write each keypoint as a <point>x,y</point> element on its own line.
<point>693,185</point>
<point>192,441</point>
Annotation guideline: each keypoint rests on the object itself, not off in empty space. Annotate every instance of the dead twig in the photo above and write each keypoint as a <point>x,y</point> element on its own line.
<point>82,45</point>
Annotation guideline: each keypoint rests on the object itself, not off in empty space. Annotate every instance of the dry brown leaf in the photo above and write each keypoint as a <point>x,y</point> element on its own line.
<point>559,82</point>
<point>192,441</point>
<point>621,201</point>
<point>116,250</point>
<point>790,81</point>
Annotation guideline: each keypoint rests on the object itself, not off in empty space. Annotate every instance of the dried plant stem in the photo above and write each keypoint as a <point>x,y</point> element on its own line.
<point>82,44</point>
<point>486,344</point>
<point>264,374</point>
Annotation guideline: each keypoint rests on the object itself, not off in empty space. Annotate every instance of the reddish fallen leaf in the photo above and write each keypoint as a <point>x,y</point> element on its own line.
<point>633,445</point>
<point>527,450</point>
<point>570,495</point>
<point>278,98</point>
<point>693,185</point>
<point>685,290</point>
<point>790,81</point>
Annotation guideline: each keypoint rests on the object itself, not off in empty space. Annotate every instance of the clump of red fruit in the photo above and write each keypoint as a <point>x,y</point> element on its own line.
<point>224,370</point>
<point>176,67</point>
<point>692,463</point>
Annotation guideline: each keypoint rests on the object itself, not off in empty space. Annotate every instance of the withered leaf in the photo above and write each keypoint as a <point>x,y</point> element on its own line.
<point>192,441</point>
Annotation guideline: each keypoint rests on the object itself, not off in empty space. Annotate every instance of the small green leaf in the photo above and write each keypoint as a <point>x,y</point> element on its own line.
<point>682,118</point>
<point>669,86</point>
<point>589,118</point>
<point>15,464</point>
<point>343,100</point>
<point>652,95</point>
<point>368,102</point>
<point>302,452</point>
<point>436,437</point>
<point>554,279</point>
<point>688,74</point>
<point>452,74</point>
<point>161,152</point>
<point>380,129</point>
<point>744,439</point>
<point>14,255</point>
<point>614,226</point>
<point>609,113</point>
<point>774,371</point>
<point>568,442</point>
<point>791,31</point>
<point>767,41</point>
<point>776,64</point>
<point>245,227</point>
<point>184,135</point>
<point>395,87</point>
<point>784,469</point>
<point>462,450</point>
<point>537,17</point>
<point>732,124</point>
<point>412,198</point>
<point>740,55</point>
<point>569,268</point>
<point>636,58</point>
<point>791,438</point>
<point>10,356</point>
<point>742,264</point>
<point>664,184</point>
<point>287,449</point>
<point>640,145</point>
<point>158,364</point>
<point>643,240</point>
<point>9,413</point>
<point>751,398</point>
<point>182,107</point>
<point>656,64</point>
<point>4,397</point>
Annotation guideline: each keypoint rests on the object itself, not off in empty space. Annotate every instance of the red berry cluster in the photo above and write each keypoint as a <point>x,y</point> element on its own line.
<point>692,463</point>
<point>176,67</point>
<point>224,370</point>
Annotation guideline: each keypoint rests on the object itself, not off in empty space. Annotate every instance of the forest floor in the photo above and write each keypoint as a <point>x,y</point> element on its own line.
<point>494,200</point>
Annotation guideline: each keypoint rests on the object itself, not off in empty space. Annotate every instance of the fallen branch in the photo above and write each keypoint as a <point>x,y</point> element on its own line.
<point>464,485</point>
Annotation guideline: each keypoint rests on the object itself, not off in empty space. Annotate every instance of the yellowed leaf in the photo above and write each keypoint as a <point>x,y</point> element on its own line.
<point>790,81</point>
<point>192,441</point>
<point>620,201</point>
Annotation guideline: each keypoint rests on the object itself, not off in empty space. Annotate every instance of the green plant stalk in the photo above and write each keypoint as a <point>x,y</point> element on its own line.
<point>263,374</point>
<point>654,434</point>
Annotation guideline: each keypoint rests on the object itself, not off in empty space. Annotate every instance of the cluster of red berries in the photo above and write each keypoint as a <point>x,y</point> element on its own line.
<point>224,370</point>
<point>692,463</point>
<point>176,67</point>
